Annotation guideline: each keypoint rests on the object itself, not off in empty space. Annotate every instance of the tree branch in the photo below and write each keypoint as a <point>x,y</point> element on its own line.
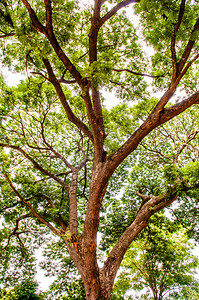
<point>48,32</point>
<point>62,80</point>
<point>188,48</point>
<point>57,154</point>
<point>35,21</point>
<point>8,207</point>
<point>115,9</point>
<point>6,16</point>
<point>190,137</point>
<point>186,68</point>
<point>36,165</point>
<point>154,150</point>
<point>29,206</point>
<point>59,218</point>
<point>49,25</point>
<point>14,232</point>
<point>137,73</point>
<point>155,119</point>
<point>73,204</point>
<point>62,97</point>
<point>7,34</point>
<point>115,257</point>
<point>173,39</point>
<point>172,111</point>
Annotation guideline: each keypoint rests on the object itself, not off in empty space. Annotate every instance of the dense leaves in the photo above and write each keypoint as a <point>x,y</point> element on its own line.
<point>24,291</point>
<point>160,265</point>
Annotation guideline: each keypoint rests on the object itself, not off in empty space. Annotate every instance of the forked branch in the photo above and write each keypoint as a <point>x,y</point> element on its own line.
<point>156,118</point>
<point>48,32</point>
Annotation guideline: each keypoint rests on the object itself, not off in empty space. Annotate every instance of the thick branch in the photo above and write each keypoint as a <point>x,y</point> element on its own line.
<point>49,25</point>
<point>35,21</point>
<point>116,255</point>
<point>98,111</point>
<point>171,112</point>
<point>155,119</point>
<point>62,80</point>
<point>93,34</point>
<point>73,204</point>
<point>183,72</point>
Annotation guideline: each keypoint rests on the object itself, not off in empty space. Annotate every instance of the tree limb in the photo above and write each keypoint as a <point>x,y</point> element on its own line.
<point>115,257</point>
<point>59,218</point>
<point>29,206</point>
<point>6,16</point>
<point>137,73</point>
<point>173,39</point>
<point>49,24</point>
<point>7,35</point>
<point>36,165</point>
<point>57,154</point>
<point>73,204</point>
<point>115,9</point>
<point>155,119</point>
<point>188,48</point>
<point>35,21</point>
<point>190,137</point>
<point>62,97</point>
<point>14,232</point>
<point>48,32</point>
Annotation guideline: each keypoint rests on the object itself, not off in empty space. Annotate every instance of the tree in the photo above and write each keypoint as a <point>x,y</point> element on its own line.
<point>162,262</point>
<point>24,291</point>
<point>61,145</point>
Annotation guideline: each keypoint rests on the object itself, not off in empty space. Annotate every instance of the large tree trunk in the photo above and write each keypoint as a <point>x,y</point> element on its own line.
<point>98,287</point>
<point>96,291</point>
<point>99,282</point>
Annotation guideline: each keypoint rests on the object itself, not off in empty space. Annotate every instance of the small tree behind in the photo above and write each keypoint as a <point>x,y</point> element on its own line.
<point>161,264</point>
<point>24,291</point>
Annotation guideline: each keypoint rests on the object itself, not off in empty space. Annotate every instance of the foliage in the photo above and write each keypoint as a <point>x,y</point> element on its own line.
<point>24,291</point>
<point>75,291</point>
<point>160,264</point>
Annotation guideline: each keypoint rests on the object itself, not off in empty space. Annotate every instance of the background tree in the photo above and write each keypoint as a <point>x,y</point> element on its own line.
<point>24,291</point>
<point>60,144</point>
<point>160,264</point>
